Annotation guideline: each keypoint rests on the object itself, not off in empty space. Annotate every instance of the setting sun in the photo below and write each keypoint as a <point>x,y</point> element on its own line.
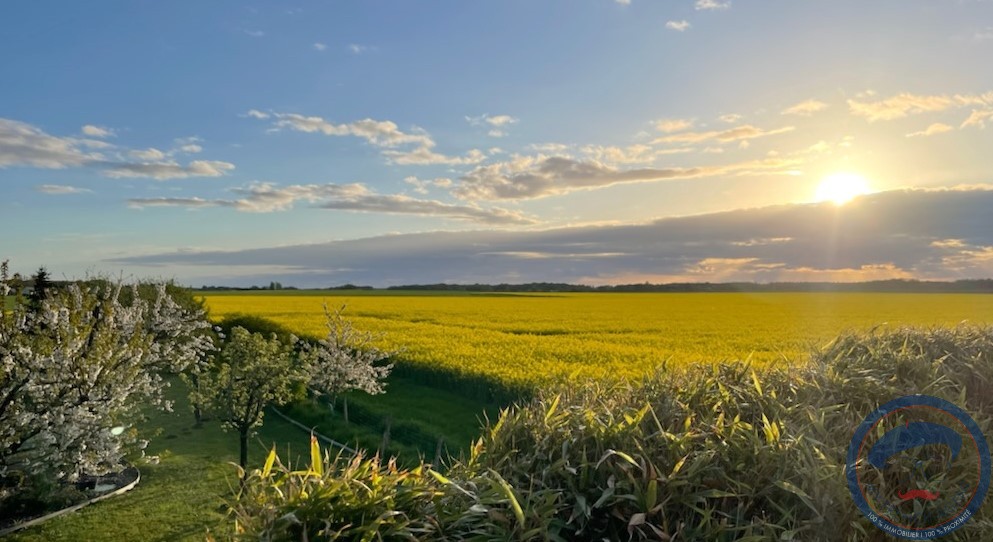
<point>841,188</point>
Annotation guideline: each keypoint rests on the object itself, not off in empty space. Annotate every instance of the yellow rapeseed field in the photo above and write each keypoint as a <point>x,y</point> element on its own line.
<point>525,340</point>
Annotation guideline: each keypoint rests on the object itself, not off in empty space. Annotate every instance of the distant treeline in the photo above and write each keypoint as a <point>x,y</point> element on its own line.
<point>278,286</point>
<point>909,286</point>
<point>984,286</point>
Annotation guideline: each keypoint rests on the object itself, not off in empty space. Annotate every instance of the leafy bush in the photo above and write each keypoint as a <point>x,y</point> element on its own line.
<point>710,453</point>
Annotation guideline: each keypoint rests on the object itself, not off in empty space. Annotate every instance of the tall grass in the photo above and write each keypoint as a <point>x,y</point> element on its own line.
<point>719,452</point>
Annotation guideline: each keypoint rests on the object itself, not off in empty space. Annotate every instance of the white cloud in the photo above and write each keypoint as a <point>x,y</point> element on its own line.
<point>192,148</point>
<point>805,108</point>
<point>632,154</point>
<point>623,2</point>
<point>168,169</point>
<point>267,198</point>
<point>711,5</point>
<point>254,33</point>
<point>904,104</point>
<point>501,120</point>
<point>424,155</point>
<point>526,177</point>
<point>673,125</point>
<point>423,186</point>
<point>147,155</point>
<point>738,133</point>
<point>357,49</point>
<point>496,122</point>
<point>384,134</point>
<point>321,46</point>
<point>678,26</point>
<point>60,189</point>
<point>730,118</point>
<point>380,133</point>
<point>91,130</point>
<point>978,118</point>
<point>936,128</point>
<point>549,148</point>
<point>22,144</point>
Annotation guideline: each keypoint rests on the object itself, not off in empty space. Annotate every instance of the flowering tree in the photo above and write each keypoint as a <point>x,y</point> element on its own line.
<point>75,371</point>
<point>346,359</point>
<point>251,373</point>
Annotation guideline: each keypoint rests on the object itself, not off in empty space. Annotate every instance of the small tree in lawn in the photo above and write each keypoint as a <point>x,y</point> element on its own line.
<point>346,359</point>
<point>252,372</point>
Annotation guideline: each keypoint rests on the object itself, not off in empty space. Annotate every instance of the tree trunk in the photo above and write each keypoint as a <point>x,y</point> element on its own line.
<point>243,440</point>
<point>344,406</point>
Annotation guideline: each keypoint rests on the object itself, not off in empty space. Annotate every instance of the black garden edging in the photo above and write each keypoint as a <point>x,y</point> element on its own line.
<point>42,519</point>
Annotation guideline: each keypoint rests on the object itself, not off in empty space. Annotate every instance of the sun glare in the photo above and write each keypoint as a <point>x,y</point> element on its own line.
<point>841,188</point>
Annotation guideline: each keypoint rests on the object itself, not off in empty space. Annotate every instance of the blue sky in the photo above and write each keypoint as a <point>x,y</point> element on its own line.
<point>238,143</point>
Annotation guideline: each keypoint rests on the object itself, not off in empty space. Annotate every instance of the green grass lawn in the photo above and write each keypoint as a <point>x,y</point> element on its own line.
<point>181,497</point>
<point>420,415</point>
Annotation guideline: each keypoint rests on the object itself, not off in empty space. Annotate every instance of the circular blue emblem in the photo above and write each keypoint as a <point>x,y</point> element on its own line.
<point>918,467</point>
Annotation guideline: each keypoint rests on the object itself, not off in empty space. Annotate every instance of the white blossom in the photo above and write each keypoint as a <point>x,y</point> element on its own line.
<point>347,359</point>
<point>83,364</point>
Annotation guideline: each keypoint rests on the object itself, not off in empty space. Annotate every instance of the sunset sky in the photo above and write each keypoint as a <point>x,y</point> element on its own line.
<point>595,141</point>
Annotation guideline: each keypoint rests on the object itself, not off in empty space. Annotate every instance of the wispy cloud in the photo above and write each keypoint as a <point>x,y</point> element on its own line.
<point>60,189</point>
<point>188,145</point>
<point>526,177</point>
<point>806,108</point>
<point>632,154</point>
<point>978,118</point>
<point>268,198</point>
<point>22,144</point>
<point>936,128</point>
<point>738,133</point>
<point>91,130</point>
<point>678,26</point>
<point>904,104</point>
<point>163,170</point>
<point>424,155</point>
<point>357,49</point>
<point>711,5</point>
<point>673,125</point>
<point>380,133</point>
<point>320,46</point>
<point>496,123</point>
<point>254,33</point>
<point>423,186</point>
